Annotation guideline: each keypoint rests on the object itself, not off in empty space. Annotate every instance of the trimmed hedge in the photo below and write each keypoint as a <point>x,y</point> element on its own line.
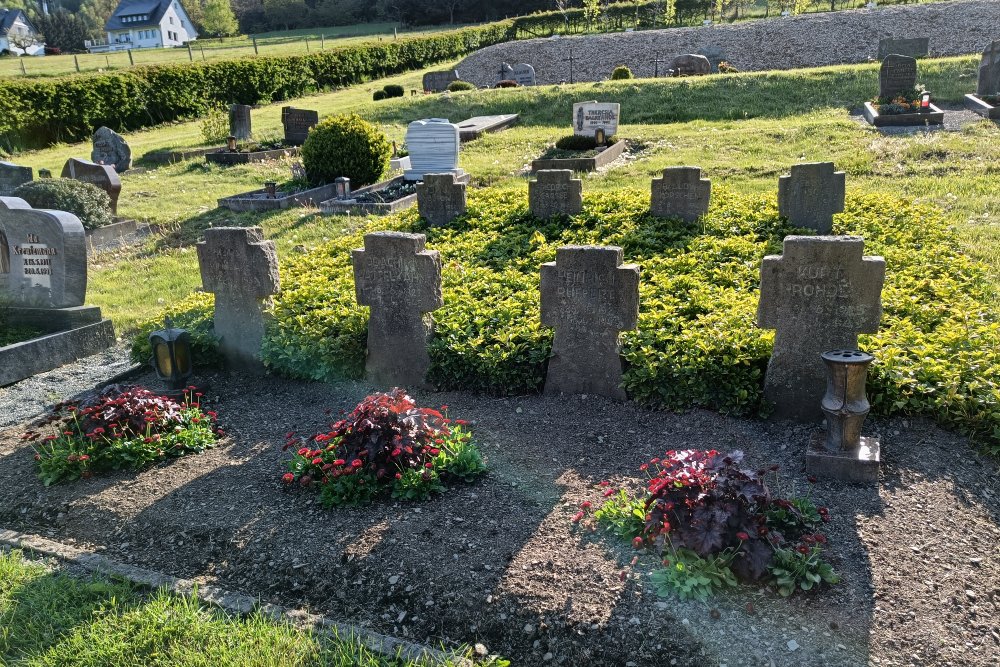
<point>44,111</point>
<point>346,146</point>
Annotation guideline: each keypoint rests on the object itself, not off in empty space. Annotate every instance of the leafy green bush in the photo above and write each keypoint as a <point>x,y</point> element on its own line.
<point>346,146</point>
<point>378,96</point>
<point>621,72</point>
<point>458,86</point>
<point>215,126</point>
<point>84,200</point>
<point>196,315</point>
<point>394,90</point>
<point>576,142</point>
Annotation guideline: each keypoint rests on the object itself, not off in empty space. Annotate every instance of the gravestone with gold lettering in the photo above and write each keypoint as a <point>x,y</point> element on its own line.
<point>897,76</point>
<point>682,193</point>
<point>811,194</point>
<point>101,175</point>
<point>819,295</point>
<point>400,281</point>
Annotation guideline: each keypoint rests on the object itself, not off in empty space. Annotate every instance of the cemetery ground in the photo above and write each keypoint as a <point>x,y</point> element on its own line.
<point>499,561</point>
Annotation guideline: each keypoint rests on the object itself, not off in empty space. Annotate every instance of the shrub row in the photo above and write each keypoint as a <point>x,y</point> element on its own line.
<point>44,111</point>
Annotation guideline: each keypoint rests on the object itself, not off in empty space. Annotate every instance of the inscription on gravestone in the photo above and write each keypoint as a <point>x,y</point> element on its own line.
<point>589,296</point>
<point>554,192</point>
<point>241,268</point>
<point>297,123</point>
<point>111,148</point>
<point>100,175</point>
<point>240,125</point>
<point>811,195</point>
<point>523,74</point>
<point>917,47</point>
<point>401,283</point>
<point>12,176</point>
<point>819,295</point>
<point>989,71</point>
<point>681,193</point>
<point>897,75</point>
<point>440,198</point>
<point>588,117</point>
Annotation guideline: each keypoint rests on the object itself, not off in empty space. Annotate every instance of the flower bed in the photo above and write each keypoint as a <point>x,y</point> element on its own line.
<point>901,110</point>
<point>588,159</point>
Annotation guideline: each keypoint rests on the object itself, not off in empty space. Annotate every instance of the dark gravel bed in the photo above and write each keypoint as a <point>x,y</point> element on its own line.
<point>499,561</point>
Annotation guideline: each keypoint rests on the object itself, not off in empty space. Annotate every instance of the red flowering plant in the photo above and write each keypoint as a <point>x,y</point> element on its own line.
<point>120,428</point>
<point>386,443</point>
<point>706,514</point>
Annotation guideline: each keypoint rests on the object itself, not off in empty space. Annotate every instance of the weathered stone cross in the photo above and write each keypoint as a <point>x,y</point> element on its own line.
<point>401,282</point>
<point>241,268</point>
<point>819,295</point>
<point>589,296</point>
<point>989,70</point>
<point>811,195</point>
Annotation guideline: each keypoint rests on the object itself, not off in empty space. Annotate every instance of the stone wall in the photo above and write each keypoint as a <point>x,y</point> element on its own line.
<point>784,42</point>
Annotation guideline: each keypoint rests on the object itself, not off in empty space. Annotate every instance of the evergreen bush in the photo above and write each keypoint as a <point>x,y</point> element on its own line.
<point>458,86</point>
<point>346,146</point>
<point>393,90</point>
<point>84,200</point>
<point>621,72</point>
<point>576,142</point>
<point>507,83</point>
<point>378,95</point>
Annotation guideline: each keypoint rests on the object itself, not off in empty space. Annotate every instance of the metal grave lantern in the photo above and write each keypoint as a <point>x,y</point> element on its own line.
<point>231,143</point>
<point>172,355</point>
<point>599,136</point>
<point>925,102</point>
<point>342,188</point>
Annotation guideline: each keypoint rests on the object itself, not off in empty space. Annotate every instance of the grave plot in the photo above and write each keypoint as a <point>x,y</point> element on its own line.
<point>242,149</point>
<point>592,145</point>
<point>986,100</point>
<point>899,101</point>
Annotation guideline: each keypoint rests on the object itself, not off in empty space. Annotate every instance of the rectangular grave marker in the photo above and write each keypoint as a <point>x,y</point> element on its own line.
<point>103,176</point>
<point>436,82</point>
<point>523,74</point>
<point>434,144</point>
<point>989,71</point>
<point>681,193</point>
<point>588,117</point>
<point>897,75</point>
<point>811,195</point>
<point>916,47</point>
<point>12,176</point>
<point>297,123</point>
<point>240,125</point>
<point>554,192</point>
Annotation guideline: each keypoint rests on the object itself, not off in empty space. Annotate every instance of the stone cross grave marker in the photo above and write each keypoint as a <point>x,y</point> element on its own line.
<point>681,193</point>
<point>589,296</point>
<point>989,71</point>
<point>400,281</point>
<point>811,195</point>
<point>240,124</point>
<point>101,175</point>
<point>111,148</point>
<point>916,47</point>
<point>555,191</point>
<point>440,198</point>
<point>12,176</point>
<point>523,74</point>
<point>435,82</point>
<point>241,268</point>
<point>434,144</point>
<point>43,256</point>
<point>588,117</point>
<point>691,64</point>
<point>297,123</point>
<point>819,295</point>
<point>897,75</point>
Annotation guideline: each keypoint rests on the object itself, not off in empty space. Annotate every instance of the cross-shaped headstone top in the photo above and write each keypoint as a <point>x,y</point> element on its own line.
<point>681,193</point>
<point>819,295</point>
<point>554,192</point>
<point>989,71</point>
<point>897,76</point>
<point>401,282</point>
<point>589,296</point>
<point>811,195</point>
<point>441,198</point>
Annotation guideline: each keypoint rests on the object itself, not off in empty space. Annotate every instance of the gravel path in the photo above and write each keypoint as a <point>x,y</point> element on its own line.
<point>499,562</point>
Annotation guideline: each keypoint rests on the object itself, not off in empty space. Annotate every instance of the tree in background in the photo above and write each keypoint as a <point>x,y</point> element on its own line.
<point>96,13</point>
<point>64,30</point>
<point>218,18</point>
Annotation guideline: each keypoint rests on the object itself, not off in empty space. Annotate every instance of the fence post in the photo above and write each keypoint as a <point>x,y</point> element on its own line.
<point>307,45</point>
<point>108,61</point>
<point>131,60</point>
<point>76,62</point>
<point>254,38</point>
<point>395,35</point>
<point>202,53</point>
<point>190,52</point>
<point>23,71</point>
<point>322,42</point>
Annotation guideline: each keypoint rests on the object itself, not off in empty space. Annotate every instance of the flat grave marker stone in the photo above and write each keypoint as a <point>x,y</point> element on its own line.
<point>681,193</point>
<point>811,194</point>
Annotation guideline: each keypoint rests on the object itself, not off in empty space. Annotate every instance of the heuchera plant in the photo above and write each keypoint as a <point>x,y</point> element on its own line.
<point>121,428</point>
<point>385,443</point>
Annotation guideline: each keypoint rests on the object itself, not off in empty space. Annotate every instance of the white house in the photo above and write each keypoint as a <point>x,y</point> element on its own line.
<point>146,24</point>
<point>14,26</point>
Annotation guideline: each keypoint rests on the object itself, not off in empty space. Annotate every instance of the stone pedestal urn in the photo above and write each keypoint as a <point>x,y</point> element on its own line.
<point>845,403</point>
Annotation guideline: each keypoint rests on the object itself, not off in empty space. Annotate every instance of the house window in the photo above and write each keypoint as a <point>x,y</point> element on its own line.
<point>171,20</point>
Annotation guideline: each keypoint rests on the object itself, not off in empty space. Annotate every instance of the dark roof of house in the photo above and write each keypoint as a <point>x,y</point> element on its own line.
<point>154,9</point>
<point>7,18</point>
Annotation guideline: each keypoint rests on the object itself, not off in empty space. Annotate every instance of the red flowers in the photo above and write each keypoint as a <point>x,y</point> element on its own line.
<point>288,478</point>
<point>317,461</point>
<point>742,536</point>
<point>357,463</point>
<point>637,542</point>
<point>609,493</point>
<point>577,517</point>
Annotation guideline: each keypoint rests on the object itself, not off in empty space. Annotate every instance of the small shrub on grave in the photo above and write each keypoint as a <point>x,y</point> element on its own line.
<point>120,429</point>
<point>393,90</point>
<point>507,83</point>
<point>899,104</point>
<point>621,72</point>
<point>459,86</point>
<point>726,68</point>
<point>215,126</point>
<point>714,523</point>
<point>346,146</point>
<point>576,142</point>
<point>196,315</point>
<point>378,96</point>
<point>386,445</point>
<point>84,200</point>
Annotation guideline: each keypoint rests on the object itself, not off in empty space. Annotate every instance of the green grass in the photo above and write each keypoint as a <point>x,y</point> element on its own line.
<point>50,618</point>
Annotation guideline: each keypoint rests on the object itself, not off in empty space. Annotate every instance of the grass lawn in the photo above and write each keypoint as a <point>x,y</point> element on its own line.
<point>50,618</point>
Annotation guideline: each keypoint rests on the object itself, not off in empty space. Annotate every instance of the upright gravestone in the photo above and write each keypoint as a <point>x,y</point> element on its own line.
<point>435,82</point>
<point>43,257</point>
<point>681,193</point>
<point>100,175</point>
<point>240,125</point>
<point>989,71</point>
<point>433,144</point>
<point>691,64</point>
<point>897,75</point>
<point>588,117</point>
<point>110,148</point>
<point>297,123</point>
<point>811,195</point>
<point>241,268</point>
<point>523,74</point>
<point>401,283</point>
<point>440,198</point>
<point>589,296</point>
<point>819,295</point>
<point>12,176</point>
<point>916,47</point>
<point>555,192</point>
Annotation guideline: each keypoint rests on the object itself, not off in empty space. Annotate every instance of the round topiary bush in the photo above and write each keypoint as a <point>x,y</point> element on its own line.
<point>394,90</point>
<point>507,84</point>
<point>378,95</point>
<point>87,202</point>
<point>346,146</point>
<point>621,72</point>
<point>456,86</point>
<point>576,142</point>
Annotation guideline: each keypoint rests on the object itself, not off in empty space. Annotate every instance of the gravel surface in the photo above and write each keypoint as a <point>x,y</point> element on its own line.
<point>499,561</point>
<point>955,118</point>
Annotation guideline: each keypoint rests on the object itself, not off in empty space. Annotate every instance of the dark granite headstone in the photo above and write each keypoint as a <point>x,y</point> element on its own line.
<point>12,176</point>
<point>819,295</point>
<point>989,71</point>
<point>898,75</point>
<point>691,65</point>
<point>297,123</point>
<point>435,82</point>
<point>440,198</point>
<point>111,148</point>
<point>241,268</point>
<point>811,195</point>
<point>589,296</point>
<point>917,47</point>
<point>101,175</point>
<point>240,124</point>
<point>554,192</point>
<point>43,257</point>
<point>681,193</point>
